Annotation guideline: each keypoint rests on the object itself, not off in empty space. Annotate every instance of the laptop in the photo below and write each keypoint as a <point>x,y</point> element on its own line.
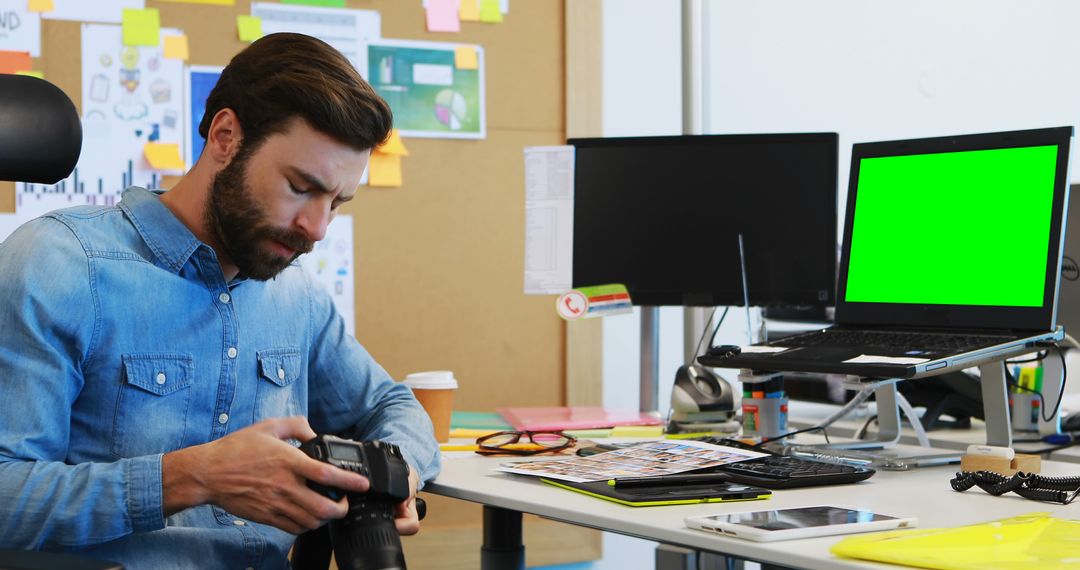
<point>1069,297</point>
<point>951,258</point>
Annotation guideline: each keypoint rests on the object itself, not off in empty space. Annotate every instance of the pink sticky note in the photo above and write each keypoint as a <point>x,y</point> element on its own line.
<point>442,16</point>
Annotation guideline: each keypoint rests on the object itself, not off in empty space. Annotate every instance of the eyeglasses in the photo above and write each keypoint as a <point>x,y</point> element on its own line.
<point>510,442</point>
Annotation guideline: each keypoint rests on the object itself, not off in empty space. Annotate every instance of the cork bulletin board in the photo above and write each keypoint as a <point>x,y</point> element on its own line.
<point>439,260</point>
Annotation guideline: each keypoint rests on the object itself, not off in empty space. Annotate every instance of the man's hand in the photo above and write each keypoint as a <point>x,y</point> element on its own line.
<point>405,517</point>
<point>254,474</point>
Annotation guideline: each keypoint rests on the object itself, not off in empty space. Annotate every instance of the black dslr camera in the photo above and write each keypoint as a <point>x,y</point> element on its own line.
<point>366,538</point>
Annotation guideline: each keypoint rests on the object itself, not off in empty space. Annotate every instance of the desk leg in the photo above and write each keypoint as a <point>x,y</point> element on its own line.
<point>503,547</point>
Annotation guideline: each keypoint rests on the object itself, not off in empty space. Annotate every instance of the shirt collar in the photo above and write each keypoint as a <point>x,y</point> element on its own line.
<point>170,240</point>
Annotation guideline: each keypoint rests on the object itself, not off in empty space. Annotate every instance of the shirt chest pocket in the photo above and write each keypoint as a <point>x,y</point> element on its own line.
<point>152,407</point>
<point>278,393</point>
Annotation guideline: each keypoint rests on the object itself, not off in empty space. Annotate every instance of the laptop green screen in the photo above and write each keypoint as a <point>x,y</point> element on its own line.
<point>953,228</point>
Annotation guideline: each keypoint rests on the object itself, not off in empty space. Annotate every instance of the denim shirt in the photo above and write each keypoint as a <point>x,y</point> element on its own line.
<point>120,340</point>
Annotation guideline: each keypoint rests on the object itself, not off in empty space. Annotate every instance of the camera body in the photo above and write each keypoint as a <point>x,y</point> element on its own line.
<point>381,462</point>
<point>366,538</point>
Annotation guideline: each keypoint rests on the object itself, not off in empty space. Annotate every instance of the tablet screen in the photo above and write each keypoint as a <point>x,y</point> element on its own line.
<point>803,517</point>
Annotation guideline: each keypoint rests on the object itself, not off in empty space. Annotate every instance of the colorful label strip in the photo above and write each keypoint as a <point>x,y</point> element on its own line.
<point>595,301</point>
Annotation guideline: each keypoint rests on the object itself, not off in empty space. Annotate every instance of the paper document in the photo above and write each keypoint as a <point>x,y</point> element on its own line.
<point>549,219</point>
<point>871,359</point>
<point>762,349</point>
<point>344,29</point>
<point>647,459</point>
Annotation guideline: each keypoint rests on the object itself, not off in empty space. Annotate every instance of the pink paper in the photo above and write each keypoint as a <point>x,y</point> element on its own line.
<point>442,16</point>
<point>574,417</point>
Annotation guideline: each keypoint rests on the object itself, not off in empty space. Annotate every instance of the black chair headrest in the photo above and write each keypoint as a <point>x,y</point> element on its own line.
<point>40,132</point>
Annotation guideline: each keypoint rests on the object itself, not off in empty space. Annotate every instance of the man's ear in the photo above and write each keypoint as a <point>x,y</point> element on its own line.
<point>224,137</point>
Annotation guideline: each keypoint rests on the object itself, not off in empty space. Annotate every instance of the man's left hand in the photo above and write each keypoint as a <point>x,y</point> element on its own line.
<point>405,517</point>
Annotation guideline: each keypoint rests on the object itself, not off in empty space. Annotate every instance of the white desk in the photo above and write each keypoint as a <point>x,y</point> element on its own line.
<point>924,493</point>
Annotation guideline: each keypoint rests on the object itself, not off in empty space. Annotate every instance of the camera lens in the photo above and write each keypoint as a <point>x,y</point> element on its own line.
<point>366,538</point>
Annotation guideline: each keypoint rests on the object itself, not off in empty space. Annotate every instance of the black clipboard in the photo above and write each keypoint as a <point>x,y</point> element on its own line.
<point>651,496</point>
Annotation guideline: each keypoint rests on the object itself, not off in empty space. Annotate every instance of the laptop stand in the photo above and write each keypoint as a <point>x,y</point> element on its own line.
<point>995,400</point>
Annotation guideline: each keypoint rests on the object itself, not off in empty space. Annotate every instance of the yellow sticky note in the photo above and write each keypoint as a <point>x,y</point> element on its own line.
<point>40,6</point>
<point>384,170</point>
<point>163,156</point>
<point>489,11</point>
<point>637,431</point>
<point>393,145</point>
<point>142,27</point>
<point>176,47</point>
<point>249,28</point>
<point>465,57</point>
<point>469,11</point>
<point>38,74</point>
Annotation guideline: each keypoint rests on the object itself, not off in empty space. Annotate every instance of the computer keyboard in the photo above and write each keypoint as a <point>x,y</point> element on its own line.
<point>783,472</point>
<point>899,339</point>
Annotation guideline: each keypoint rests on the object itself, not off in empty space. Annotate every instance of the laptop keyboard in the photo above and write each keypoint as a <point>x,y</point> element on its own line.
<point>783,472</point>
<point>894,339</point>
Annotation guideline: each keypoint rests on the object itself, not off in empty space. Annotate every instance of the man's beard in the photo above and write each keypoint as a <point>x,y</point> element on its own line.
<point>239,224</point>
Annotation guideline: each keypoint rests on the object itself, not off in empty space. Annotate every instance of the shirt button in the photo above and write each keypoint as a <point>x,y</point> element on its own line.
<point>238,523</point>
<point>281,373</point>
<point>223,418</point>
<point>224,297</point>
<point>160,378</point>
<point>232,352</point>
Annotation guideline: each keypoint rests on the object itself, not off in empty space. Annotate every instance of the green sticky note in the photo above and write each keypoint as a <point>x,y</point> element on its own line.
<point>249,28</point>
<point>489,11</point>
<point>142,27</point>
<point>324,3</point>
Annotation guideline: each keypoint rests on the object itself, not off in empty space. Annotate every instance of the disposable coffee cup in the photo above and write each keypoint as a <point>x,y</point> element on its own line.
<point>435,391</point>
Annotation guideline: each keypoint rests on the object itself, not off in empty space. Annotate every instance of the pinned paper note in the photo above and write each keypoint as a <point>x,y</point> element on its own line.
<point>393,145</point>
<point>490,12</point>
<point>15,61</point>
<point>384,170</point>
<point>596,301</point>
<point>442,16</point>
<point>469,11</point>
<point>142,27</point>
<point>466,57</point>
<point>176,47</point>
<point>163,156</point>
<point>40,6</point>
<point>249,28</point>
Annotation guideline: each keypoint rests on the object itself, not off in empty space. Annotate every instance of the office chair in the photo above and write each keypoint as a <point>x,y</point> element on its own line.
<point>40,132</point>
<point>40,141</point>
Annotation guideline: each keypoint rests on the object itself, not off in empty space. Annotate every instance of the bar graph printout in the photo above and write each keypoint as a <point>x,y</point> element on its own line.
<point>131,96</point>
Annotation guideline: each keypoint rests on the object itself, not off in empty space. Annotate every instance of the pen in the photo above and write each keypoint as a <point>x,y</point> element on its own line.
<point>684,479</point>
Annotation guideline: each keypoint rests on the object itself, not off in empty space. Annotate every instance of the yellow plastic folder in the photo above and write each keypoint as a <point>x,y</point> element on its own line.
<point>1027,542</point>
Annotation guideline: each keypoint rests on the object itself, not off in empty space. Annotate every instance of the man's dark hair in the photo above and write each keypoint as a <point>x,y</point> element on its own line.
<point>283,76</point>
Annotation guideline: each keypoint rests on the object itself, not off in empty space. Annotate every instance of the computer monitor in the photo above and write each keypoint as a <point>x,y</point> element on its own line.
<point>663,215</point>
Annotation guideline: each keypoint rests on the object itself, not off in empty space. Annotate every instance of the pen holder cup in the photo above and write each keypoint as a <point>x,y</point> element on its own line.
<point>764,417</point>
<point>1024,411</point>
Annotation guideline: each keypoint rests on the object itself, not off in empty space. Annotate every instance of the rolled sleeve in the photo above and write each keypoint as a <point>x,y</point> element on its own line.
<point>351,395</point>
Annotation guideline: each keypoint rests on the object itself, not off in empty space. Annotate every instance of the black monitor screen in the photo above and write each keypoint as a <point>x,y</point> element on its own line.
<point>662,215</point>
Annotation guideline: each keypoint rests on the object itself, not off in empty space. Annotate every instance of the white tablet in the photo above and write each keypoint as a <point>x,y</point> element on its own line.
<point>801,522</point>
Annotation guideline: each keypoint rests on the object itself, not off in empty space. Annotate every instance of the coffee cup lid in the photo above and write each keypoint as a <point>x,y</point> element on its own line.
<point>432,380</point>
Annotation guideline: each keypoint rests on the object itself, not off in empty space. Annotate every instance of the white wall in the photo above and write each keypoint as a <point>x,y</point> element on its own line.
<point>884,70</point>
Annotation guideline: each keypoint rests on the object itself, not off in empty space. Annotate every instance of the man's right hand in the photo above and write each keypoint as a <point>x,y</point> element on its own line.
<point>256,475</point>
